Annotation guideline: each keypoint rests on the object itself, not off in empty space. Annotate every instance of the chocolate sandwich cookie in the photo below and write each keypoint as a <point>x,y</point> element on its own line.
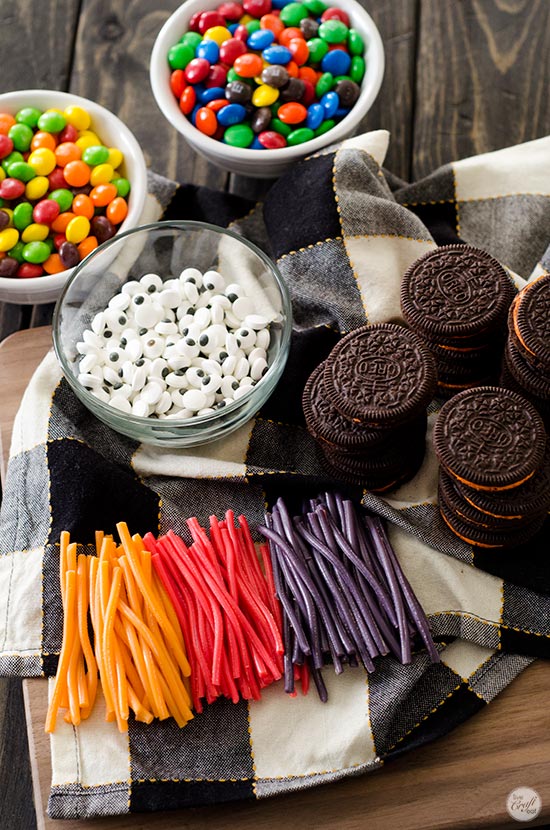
<point>489,438</point>
<point>450,493</point>
<point>526,501</point>
<point>530,322</point>
<point>456,291</point>
<point>329,426</point>
<point>378,479</point>
<point>479,537</point>
<point>380,375</point>
<point>529,377</point>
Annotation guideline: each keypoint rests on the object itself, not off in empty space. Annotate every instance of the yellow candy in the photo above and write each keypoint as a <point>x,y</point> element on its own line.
<point>8,238</point>
<point>2,174</point>
<point>115,157</point>
<point>101,174</point>
<point>86,141</point>
<point>54,109</point>
<point>264,96</point>
<point>77,229</point>
<point>218,33</point>
<point>37,187</point>
<point>42,161</point>
<point>246,18</point>
<point>78,117</point>
<point>85,133</point>
<point>35,233</point>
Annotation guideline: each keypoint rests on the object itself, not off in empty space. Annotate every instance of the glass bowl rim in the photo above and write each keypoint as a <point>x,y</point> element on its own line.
<point>112,414</point>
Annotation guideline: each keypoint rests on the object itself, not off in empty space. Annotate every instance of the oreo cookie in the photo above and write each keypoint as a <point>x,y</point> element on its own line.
<point>489,438</point>
<point>526,374</point>
<point>530,323</point>
<point>456,291</point>
<point>380,375</point>
<point>485,538</point>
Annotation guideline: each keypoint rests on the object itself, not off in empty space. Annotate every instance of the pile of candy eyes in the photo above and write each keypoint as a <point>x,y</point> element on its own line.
<point>61,191</point>
<point>266,74</point>
<point>175,349</point>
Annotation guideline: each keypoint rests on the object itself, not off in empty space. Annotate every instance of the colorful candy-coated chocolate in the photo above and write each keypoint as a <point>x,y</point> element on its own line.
<point>231,114</point>
<point>209,50</point>
<point>239,135</point>
<point>206,121</point>
<point>197,70</point>
<point>330,102</point>
<point>272,140</point>
<point>292,13</point>
<point>232,49</point>
<point>277,55</point>
<point>337,62</point>
<point>292,113</point>
<point>333,13</point>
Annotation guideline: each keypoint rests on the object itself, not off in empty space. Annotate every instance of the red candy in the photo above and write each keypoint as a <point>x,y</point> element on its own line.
<point>231,11</point>
<point>194,22</point>
<point>217,75</point>
<point>206,121</point>
<point>177,82</point>
<point>232,49</point>
<point>59,239</point>
<point>57,179</point>
<point>208,20</point>
<point>188,100</point>
<point>197,70</point>
<point>257,8</point>
<point>68,133</point>
<point>11,188</point>
<point>29,270</point>
<point>272,140</point>
<point>335,14</point>
<point>308,96</point>
<point>45,211</point>
<point>241,33</point>
<point>6,146</point>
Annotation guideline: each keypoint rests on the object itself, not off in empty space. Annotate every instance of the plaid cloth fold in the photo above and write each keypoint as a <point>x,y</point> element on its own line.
<point>342,232</point>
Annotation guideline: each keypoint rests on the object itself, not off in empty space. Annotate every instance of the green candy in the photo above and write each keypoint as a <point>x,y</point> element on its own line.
<point>317,49</point>
<point>300,135</point>
<point>356,44</point>
<point>63,197</point>
<point>357,69</point>
<point>191,39</point>
<point>21,170</point>
<point>316,7</point>
<point>21,135</point>
<point>15,155</point>
<point>52,122</point>
<point>2,203</point>
<point>333,31</point>
<point>325,127</point>
<point>22,215</point>
<point>179,55</point>
<point>232,76</point>
<point>293,13</point>
<point>280,127</point>
<point>17,252</point>
<point>28,116</point>
<point>36,252</point>
<point>253,26</point>
<point>97,154</point>
<point>239,135</point>
<point>50,243</point>
<point>122,186</point>
<point>324,84</point>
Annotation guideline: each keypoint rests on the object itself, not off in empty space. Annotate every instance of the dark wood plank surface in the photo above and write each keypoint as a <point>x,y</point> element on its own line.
<point>461,78</point>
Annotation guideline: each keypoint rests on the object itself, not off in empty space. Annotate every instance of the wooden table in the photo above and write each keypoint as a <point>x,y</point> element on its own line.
<point>462,77</point>
<point>461,781</point>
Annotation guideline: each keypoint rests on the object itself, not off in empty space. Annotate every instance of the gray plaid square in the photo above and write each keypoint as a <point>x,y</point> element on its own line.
<point>25,514</point>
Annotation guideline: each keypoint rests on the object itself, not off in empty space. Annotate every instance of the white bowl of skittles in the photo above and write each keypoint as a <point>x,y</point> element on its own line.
<point>72,175</point>
<point>256,85</point>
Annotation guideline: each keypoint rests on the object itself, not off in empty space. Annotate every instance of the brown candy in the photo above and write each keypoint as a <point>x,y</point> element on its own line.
<point>8,266</point>
<point>102,229</point>
<point>275,76</point>
<point>238,92</point>
<point>293,91</point>
<point>348,92</point>
<point>261,119</point>
<point>309,28</point>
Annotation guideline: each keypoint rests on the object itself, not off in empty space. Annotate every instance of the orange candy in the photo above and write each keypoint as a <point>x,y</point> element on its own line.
<point>292,69</point>
<point>217,104</point>
<point>41,139</point>
<point>102,194</point>
<point>87,246</point>
<point>77,173</point>
<point>118,208</point>
<point>307,73</point>
<point>292,113</point>
<point>67,152</point>
<point>299,50</point>
<point>83,206</point>
<point>273,23</point>
<point>59,225</point>
<point>248,65</point>
<point>289,34</point>
<point>6,122</point>
<point>205,121</point>
<point>53,264</point>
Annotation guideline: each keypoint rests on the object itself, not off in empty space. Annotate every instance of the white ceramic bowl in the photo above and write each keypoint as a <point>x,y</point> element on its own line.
<point>111,130</point>
<point>261,163</point>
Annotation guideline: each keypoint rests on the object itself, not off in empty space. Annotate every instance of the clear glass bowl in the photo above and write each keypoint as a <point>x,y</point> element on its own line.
<point>166,248</point>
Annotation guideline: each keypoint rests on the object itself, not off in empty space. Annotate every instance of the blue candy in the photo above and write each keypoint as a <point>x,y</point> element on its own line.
<point>231,114</point>
<point>232,27</point>
<point>194,115</point>
<point>256,144</point>
<point>210,50</point>
<point>336,62</point>
<point>280,4</point>
<point>342,111</point>
<point>330,103</point>
<point>315,116</point>
<point>211,94</point>
<point>277,54</point>
<point>260,40</point>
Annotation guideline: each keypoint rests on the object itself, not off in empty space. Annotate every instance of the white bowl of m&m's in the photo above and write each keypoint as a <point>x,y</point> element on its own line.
<point>256,85</point>
<point>72,176</point>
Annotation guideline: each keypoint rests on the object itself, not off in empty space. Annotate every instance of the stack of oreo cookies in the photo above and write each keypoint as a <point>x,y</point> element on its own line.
<point>494,485</point>
<point>457,298</point>
<point>366,406</point>
<point>526,364</point>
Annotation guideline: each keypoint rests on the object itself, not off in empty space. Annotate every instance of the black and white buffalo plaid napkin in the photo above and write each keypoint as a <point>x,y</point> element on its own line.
<point>342,232</point>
